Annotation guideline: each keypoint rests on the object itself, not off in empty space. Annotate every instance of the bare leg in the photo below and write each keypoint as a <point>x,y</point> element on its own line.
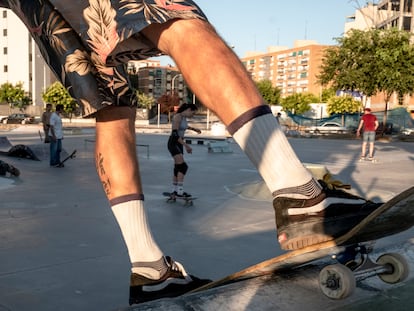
<point>115,152</point>
<point>371,149</point>
<point>364,149</point>
<point>118,170</point>
<point>234,82</point>
<point>218,78</point>
<point>178,178</point>
<point>221,82</point>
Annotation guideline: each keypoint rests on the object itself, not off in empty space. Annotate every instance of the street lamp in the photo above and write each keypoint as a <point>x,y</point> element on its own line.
<point>173,82</point>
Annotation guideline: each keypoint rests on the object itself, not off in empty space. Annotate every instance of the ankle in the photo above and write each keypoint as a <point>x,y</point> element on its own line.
<point>306,191</point>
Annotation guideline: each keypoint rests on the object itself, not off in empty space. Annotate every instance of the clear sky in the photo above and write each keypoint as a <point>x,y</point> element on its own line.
<point>253,25</point>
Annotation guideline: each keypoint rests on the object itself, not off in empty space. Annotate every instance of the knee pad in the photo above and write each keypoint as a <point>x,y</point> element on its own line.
<point>180,168</point>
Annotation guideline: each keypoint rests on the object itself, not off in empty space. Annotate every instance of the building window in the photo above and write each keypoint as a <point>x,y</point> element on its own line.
<point>5,69</point>
<point>5,51</point>
<point>4,14</point>
<point>4,32</point>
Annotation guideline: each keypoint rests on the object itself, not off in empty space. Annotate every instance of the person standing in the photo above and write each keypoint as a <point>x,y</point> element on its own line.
<point>369,125</point>
<point>56,136</point>
<point>176,145</point>
<point>46,121</point>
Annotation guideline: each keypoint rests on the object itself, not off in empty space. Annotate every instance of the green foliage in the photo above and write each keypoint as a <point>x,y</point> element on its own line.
<point>14,95</point>
<point>370,61</point>
<point>327,94</point>
<point>298,103</point>
<point>58,94</point>
<point>343,104</point>
<point>144,101</point>
<point>270,93</point>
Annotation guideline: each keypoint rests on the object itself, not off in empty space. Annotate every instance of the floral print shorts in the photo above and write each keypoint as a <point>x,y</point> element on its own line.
<point>87,43</point>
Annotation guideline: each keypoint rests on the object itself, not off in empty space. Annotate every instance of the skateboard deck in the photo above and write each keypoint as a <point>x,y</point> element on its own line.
<point>373,160</point>
<point>172,199</point>
<point>338,281</point>
<point>71,156</point>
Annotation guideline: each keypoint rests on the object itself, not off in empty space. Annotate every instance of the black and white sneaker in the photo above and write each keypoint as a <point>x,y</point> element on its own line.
<point>174,282</point>
<point>305,222</point>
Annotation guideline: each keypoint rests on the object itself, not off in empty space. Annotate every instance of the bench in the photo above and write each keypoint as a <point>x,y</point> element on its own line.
<point>201,140</point>
<point>215,144</point>
<point>138,145</point>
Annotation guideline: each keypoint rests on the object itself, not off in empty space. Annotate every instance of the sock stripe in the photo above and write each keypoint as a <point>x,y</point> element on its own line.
<point>246,117</point>
<point>311,190</point>
<point>126,198</point>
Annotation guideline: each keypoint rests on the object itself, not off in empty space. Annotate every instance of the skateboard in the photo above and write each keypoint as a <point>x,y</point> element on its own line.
<point>350,252</point>
<point>373,160</point>
<point>188,201</point>
<point>71,156</point>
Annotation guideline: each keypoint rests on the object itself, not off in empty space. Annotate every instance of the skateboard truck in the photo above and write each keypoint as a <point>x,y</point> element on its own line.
<point>338,281</point>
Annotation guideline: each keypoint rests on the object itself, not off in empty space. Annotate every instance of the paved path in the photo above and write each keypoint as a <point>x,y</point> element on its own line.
<point>60,246</point>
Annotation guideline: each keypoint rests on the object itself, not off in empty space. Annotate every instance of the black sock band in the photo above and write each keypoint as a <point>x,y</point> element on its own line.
<point>127,198</point>
<point>246,117</point>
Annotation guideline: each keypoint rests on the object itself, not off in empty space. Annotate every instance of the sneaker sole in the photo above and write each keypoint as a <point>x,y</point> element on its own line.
<point>302,242</point>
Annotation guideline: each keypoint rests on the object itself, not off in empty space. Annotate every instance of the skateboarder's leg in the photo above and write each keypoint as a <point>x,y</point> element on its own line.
<point>118,169</point>
<point>363,149</point>
<point>306,209</point>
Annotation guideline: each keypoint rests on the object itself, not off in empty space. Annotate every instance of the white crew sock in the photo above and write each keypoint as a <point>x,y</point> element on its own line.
<point>141,246</point>
<point>267,147</point>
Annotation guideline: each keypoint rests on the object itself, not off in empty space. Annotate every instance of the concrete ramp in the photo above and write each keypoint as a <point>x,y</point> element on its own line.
<point>37,152</point>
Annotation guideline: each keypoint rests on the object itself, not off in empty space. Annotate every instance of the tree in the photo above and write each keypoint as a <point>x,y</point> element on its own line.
<point>14,95</point>
<point>58,94</point>
<point>370,62</point>
<point>298,103</point>
<point>144,101</point>
<point>342,105</point>
<point>270,94</point>
<point>327,93</point>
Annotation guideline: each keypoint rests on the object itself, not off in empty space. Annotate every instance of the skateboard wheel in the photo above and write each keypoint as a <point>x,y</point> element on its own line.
<point>399,268</point>
<point>337,281</point>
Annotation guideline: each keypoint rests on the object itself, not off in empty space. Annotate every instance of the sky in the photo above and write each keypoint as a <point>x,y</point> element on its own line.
<point>253,25</point>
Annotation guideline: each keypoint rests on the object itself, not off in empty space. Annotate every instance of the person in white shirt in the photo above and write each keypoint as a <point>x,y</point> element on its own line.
<point>56,136</point>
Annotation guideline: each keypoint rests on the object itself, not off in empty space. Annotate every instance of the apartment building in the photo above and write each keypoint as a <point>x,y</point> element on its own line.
<point>382,15</point>
<point>158,81</point>
<point>293,70</point>
<point>20,58</point>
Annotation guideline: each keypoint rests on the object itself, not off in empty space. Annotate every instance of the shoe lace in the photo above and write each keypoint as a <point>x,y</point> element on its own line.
<point>335,187</point>
<point>177,267</point>
<point>333,184</point>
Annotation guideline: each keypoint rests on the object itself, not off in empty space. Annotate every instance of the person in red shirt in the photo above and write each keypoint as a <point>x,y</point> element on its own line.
<point>369,123</point>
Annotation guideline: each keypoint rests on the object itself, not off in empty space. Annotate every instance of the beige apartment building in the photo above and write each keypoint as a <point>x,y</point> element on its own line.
<point>293,70</point>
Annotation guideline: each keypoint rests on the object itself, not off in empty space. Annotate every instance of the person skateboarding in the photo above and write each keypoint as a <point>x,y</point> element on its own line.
<point>369,124</point>
<point>88,43</point>
<point>176,145</point>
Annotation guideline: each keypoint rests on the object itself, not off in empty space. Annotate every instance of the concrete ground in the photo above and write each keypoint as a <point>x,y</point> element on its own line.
<point>61,248</point>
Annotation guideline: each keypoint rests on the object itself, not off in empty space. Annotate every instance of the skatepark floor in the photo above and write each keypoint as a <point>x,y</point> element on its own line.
<point>61,248</point>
